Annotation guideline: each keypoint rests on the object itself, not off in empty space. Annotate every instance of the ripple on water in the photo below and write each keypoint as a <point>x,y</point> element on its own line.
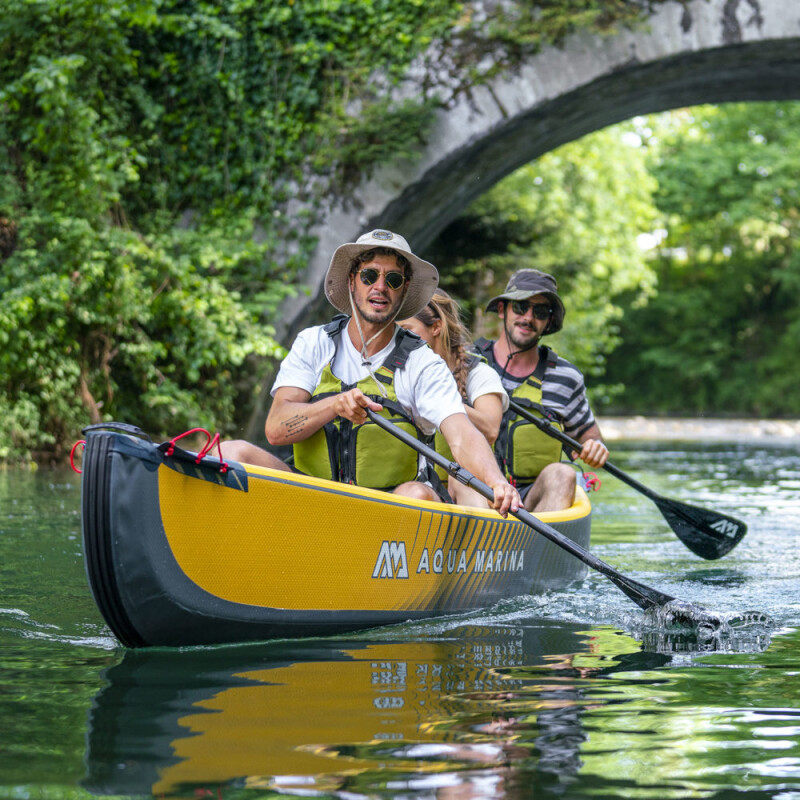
<point>20,624</point>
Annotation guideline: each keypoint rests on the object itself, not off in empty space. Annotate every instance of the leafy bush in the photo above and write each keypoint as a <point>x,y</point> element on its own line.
<point>153,158</point>
<point>720,335</point>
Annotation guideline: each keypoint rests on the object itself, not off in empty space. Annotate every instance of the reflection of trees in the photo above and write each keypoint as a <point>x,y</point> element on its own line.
<point>448,713</point>
<point>501,711</point>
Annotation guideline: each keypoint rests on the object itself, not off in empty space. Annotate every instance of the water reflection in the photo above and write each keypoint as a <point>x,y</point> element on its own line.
<point>336,714</point>
<point>571,707</point>
<point>717,576</point>
<point>536,709</point>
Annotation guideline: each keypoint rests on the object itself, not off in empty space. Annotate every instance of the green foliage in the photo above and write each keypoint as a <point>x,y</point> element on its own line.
<point>64,147</point>
<point>561,215</point>
<point>241,94</point>
<point>368,140</point>
<point>705,324</point>
<point>721,334</point>
<point>153,158</point>
<point>149,152</point>
<point>110,325</point>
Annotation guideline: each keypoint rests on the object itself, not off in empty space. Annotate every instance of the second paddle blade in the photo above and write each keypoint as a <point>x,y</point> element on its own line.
<point>708,534</point>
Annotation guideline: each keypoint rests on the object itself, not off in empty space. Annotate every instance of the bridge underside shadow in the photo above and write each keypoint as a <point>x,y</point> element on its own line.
<point>751,72</point>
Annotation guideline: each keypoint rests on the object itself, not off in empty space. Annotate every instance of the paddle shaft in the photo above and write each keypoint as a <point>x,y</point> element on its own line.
<point>706,533</point>
<point>550,430</point>
<point>644,596</point>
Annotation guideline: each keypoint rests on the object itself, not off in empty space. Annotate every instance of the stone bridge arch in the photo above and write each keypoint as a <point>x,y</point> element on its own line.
<point>701,51</point>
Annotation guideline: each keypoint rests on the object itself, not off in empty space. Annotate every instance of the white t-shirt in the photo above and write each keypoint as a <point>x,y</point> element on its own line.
<point>425,387</point>
<point>483,379</point>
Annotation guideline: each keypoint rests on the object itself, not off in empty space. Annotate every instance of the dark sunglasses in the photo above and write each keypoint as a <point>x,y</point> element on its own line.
<point>394,280</point>
<point>540,310</point>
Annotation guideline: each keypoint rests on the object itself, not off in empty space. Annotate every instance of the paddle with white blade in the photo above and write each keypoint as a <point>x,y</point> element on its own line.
<point>706,533</point>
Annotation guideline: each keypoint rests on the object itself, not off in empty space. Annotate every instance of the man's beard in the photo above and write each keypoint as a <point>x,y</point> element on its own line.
<point>530,340</point>
<point>368,314</point>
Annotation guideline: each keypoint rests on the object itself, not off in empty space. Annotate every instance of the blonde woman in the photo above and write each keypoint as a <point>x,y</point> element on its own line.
<point>439,324</point>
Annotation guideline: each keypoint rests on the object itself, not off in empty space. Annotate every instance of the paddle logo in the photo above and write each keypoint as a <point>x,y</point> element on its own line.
<point>392,561</point>
<point>726,527</point>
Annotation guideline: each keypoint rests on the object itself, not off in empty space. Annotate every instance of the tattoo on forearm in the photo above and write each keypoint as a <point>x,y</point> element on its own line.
<point>294,425</point>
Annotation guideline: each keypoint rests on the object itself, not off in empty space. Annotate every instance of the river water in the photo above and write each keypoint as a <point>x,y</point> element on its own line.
<point>569,695</point>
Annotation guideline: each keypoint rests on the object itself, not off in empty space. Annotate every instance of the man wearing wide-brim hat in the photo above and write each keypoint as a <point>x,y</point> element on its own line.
<point>363,360</point>
<point>547,386</point>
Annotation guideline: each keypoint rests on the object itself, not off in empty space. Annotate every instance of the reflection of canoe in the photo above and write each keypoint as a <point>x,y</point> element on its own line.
<point>180,553</point>
<point>310,715</point>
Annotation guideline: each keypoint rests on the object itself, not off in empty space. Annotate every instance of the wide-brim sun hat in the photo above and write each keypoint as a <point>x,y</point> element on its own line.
<point>419,290</point>
<point>524,284</point>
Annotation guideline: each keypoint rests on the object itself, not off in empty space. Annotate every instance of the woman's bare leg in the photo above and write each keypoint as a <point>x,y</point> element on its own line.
<point>417,490</point>
<point>464,496</point>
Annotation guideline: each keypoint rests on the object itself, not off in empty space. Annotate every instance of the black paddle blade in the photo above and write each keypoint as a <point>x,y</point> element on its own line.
<point>708,534</point>
<point>644,596</point>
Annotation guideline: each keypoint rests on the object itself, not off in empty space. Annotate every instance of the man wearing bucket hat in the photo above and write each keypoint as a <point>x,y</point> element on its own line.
<point>535,377</point>
<point>360,360</point>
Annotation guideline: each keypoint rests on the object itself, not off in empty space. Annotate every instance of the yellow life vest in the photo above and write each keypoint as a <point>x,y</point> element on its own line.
<point>440,443</point>
<point>521,449</point>
<point>365,455</point>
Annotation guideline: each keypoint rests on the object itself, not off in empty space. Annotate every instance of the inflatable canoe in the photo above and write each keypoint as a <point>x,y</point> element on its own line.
<point>184,549</point>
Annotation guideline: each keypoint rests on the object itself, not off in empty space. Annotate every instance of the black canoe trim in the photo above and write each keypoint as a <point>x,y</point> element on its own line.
<point>97,538</point>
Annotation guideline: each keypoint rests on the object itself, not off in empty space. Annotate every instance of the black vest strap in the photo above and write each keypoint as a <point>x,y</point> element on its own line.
<point>473,359</point>
<point>405,344</point>
<point>485,348</point>
<point>547,360</point>
<point>335,326</point>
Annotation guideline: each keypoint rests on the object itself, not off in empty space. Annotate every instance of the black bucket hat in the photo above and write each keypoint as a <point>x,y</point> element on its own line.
<point>524,284</point>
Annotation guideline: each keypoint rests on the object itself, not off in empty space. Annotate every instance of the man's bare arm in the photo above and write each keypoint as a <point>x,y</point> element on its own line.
<point>472,451</point>
<point>293,417</point>
<point>593,453</point>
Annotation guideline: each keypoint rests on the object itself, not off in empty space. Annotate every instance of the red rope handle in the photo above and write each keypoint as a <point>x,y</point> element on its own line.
<point>593,483</point>
<point>211,441</point>
<point>72,455</point>
<point>207,447</point>
<point>171,449</point>
<point>204,451</point>
<point>215,441</point>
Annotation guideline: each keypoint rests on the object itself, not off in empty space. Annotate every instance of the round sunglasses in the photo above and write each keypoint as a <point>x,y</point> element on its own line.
<point>540,310</point>
<point>394,280</point>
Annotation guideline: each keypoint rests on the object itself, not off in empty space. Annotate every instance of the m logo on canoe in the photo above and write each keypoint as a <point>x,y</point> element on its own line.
<point>392,561</point>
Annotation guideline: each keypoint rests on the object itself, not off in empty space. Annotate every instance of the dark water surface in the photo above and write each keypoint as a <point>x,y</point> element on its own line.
<point>570,695</point>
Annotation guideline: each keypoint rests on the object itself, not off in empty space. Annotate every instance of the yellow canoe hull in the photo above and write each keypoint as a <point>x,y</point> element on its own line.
<point>179,553</point>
